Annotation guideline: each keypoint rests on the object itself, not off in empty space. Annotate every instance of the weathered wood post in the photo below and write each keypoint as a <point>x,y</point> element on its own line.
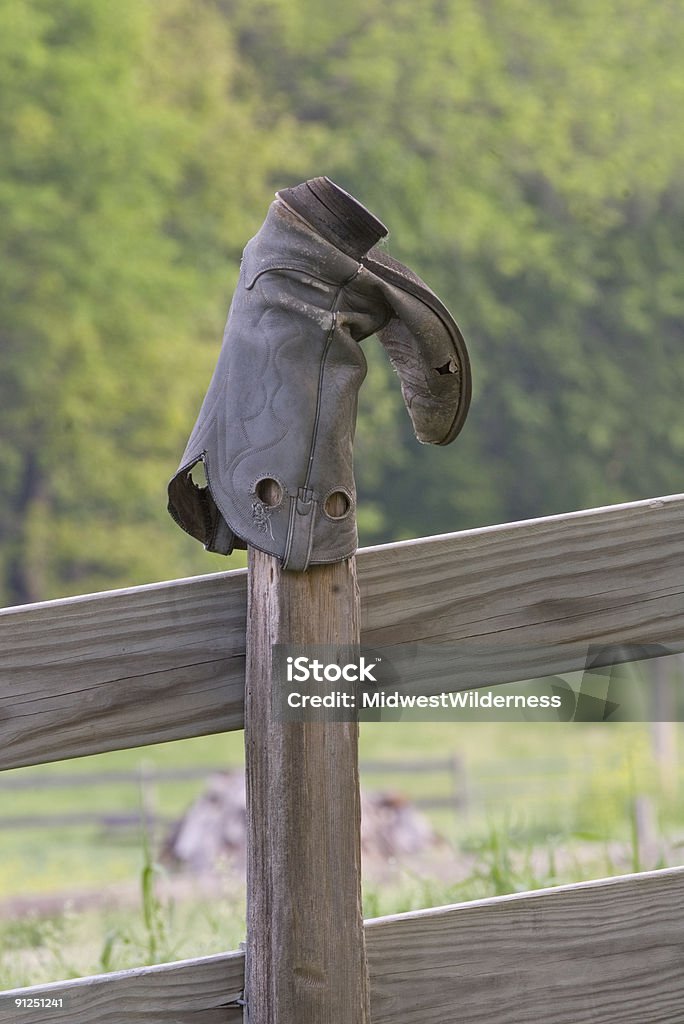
<point>305,960</point>
<point>280,413</point>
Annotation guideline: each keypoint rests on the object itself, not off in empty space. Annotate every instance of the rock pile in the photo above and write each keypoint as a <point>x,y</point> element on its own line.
<point>211,833</point>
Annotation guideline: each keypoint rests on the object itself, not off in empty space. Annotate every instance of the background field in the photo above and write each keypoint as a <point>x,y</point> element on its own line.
<point>546,804</point>
<point>527,159</point>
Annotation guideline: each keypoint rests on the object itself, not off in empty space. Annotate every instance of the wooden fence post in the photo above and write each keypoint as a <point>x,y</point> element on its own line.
<point>305,957</point>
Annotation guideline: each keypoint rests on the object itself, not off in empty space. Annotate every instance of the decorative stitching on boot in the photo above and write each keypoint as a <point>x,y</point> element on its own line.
<point>295,267</point>
<point>261,514</point>
<point>262,509</point>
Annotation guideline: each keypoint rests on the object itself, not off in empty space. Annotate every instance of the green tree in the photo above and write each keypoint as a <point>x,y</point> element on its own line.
<point>528,160</point>
<point>128,174</point>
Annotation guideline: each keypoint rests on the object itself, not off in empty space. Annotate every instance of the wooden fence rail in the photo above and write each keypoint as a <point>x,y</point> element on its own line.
<point>593,953</point>
<point>167,661</point>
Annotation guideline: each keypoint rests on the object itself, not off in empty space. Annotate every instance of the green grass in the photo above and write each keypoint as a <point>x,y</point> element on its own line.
<point>67,944</point>
<point>499,758</point>
<point>508,767</point>
<point>33,860</point>
<point>527,825</point>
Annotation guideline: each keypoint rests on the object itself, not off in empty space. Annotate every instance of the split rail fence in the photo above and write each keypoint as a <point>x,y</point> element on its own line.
<point>167,661</point>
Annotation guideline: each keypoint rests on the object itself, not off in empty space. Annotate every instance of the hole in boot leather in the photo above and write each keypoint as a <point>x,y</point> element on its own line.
<point>269,492</point>
<point>198,475</point>
<point>449,367</point>
<point>337,505</point>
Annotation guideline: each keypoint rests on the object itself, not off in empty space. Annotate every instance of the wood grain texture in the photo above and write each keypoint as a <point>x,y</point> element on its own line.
<point>595,953</point>
<point>530,597</point>
<point>122,669</point>
<point>306,961</point>
<point>166,661</point>
<point>188,992</point>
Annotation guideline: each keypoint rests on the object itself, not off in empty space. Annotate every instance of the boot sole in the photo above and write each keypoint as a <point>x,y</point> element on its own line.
<point>395,273</point>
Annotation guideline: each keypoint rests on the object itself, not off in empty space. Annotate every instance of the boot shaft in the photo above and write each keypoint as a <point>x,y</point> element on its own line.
<point>276,428</point>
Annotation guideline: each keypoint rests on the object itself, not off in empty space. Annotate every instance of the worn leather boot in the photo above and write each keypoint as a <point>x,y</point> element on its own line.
<point>276,428</point>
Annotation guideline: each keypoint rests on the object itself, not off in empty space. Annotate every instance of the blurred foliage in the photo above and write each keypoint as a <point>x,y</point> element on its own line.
<point>526,157</point>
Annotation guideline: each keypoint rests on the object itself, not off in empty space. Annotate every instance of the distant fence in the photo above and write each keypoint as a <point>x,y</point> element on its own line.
<point>167,661</point>
<point>531,778</point>
<point>111,819</point>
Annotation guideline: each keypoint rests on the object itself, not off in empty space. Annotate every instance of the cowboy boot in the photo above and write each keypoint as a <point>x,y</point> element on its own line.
<point>276,428</point>
<point>421,338</point>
